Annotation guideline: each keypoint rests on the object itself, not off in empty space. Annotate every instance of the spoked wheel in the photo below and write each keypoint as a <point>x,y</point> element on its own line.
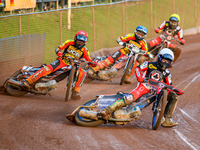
<point>14,90</point>
<point>130,62</point>
<point>70,84</point>
<point>85,121</point>
<point>159,109</point>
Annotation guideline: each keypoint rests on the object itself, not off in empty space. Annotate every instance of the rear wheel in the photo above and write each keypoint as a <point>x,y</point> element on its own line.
<point>14,90</point>
<point>130,62</point>
<point>159,109</point>
<point>70,83</point>
<point>85,121</point>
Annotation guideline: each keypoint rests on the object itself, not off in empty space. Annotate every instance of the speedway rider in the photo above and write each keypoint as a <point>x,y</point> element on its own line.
<point>73,48</point>
<point>138,38</point>
<point>172,28</point>
<point>150,70</point>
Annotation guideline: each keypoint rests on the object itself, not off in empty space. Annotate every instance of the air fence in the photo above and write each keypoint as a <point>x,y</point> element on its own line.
<point>30,39</point>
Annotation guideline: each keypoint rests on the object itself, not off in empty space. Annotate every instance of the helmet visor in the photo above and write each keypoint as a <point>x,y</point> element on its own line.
<point>174,19</point>
<point>167,57</point>
<point>140,34</point>
<point>82,38</point>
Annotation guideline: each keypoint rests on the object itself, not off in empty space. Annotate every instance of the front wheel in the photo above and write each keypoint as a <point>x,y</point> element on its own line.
<point>13,90</point>
<point>85,121</point>
<point>130,62</point>
<point>159,109</point>
<point>70,83</point>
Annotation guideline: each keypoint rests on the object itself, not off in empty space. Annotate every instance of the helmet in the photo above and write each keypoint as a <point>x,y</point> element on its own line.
<point>80,39</point>
<point>165,58</point>
<point>140,32</point>
<point>174,20</point>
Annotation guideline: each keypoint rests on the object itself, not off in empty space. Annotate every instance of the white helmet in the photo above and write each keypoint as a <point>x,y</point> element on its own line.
<point>165,53</point>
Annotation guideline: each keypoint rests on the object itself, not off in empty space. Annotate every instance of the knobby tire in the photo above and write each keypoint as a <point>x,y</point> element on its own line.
<point>127,70</point>
<point>85,121</point>
<point>158,114</point>
<point>70,83</point>
<point>11,90</point>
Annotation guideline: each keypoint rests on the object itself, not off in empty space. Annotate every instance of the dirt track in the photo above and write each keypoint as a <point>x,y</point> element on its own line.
<point>39,123</point>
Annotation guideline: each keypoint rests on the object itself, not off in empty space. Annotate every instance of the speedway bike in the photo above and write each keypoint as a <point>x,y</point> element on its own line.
<point>88,114</point>
<point>46,84</point>
<point>132,62</point>
<point>167,39</point>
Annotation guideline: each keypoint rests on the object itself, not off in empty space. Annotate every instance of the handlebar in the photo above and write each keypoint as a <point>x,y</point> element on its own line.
<point>169,37</point>
<point>159,84</point>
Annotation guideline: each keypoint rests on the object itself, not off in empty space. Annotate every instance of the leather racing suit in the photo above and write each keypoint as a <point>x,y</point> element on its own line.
<point>177,32</point>
<point>68,48</point>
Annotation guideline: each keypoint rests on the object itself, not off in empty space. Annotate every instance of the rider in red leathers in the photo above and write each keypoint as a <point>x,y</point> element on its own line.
<point>73,48</point>
<point>138,38</point>
<point>171,27</point>
<point>150,70</point>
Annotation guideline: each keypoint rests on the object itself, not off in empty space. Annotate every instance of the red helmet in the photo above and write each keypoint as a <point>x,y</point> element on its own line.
<point>80,38</point>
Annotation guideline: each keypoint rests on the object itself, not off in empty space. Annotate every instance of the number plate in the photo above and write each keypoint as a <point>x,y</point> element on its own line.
<point>136,44</point>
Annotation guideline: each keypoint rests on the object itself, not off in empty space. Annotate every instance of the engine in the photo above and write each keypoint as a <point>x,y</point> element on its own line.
<point>47,86</point>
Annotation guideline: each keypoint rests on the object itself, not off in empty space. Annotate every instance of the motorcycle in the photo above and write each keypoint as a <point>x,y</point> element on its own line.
<point>88,113</point>
<point>107,73</point>
<point>46,84</point>
<point>167,38</point>
<point>132,62</point>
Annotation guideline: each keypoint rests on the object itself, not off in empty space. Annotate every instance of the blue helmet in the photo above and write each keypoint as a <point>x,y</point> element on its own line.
<point>142,30</point>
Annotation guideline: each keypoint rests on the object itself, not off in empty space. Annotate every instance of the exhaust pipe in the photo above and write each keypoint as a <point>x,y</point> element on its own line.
<point>88,114</point>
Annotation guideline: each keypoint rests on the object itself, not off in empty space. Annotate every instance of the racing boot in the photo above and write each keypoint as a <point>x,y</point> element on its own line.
<point>106,112</point>
<point>75,95</point>
<point>169,111</point>
<point>168,122</point>
<point>127,81</point>
<point>104,63</point>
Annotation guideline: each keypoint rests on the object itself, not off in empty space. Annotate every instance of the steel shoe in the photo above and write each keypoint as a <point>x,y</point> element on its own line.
<point>168,122</point>
<point>127,81</point>
<point>76,95</point>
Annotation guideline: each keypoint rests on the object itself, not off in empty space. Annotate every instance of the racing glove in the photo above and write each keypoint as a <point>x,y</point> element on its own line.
<point>60,54</point>
<point>178,91</point>
<point>122,43</point>
<point>157,30</point>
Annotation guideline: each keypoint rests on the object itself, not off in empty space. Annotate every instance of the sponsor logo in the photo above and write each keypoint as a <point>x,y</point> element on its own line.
<point>156,75</point>
<point>136,44</point>
<point>73,52</point>
<point>36,75</point>
<point>151,66</point>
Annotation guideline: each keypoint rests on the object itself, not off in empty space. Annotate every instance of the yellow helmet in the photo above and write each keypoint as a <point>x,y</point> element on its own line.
<point>174,17</point>
<point>174,20</point>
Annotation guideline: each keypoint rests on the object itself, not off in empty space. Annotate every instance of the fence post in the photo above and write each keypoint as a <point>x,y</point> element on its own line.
<point>69,14</point>
<point>20,25</point>
<point>195,13</point>
<point>123,22</point>
<point>173,6</point>
<point>93,22</point>
<point>60,27</point>
<point>151,5</point>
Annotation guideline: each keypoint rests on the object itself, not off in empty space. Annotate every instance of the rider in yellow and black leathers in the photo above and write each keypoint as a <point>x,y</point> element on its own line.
<point>73,48</point>
<point>136,37</point>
